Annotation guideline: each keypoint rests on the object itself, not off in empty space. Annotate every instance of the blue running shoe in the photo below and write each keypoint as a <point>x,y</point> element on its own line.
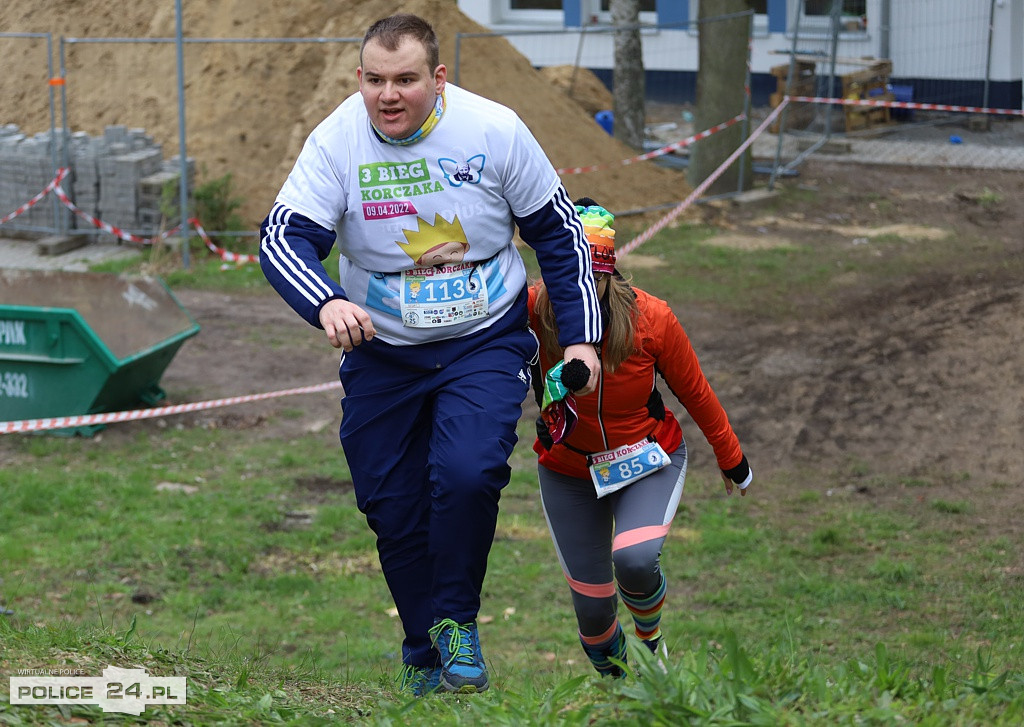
<point>602,655</point>
<point>462,663</point>
<point>419,681</point>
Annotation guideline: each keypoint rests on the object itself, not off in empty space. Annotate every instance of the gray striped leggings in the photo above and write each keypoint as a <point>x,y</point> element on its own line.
<point>612,541</point>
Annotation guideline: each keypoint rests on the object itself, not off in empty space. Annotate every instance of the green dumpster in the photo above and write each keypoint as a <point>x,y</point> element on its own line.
<point>84,343</point>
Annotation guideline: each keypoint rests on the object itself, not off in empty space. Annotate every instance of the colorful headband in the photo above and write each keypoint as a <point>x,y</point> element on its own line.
<point>597,224</point>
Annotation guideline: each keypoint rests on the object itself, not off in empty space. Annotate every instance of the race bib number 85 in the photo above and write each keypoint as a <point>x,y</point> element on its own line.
<point>617,468</point>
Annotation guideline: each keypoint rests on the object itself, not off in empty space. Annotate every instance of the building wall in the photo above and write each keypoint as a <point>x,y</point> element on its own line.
<point>927,40</point>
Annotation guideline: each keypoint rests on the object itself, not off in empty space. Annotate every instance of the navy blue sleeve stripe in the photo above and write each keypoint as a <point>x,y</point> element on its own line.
<point>284,258</point>
<point>592,310</point>
<point>556,234</point>
<point>292,260</point>
<point>292,248</point>
<point>273,251</point>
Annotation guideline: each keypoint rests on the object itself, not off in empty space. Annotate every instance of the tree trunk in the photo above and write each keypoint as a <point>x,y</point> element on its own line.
<point>721,95</point>
<point>628,74</point>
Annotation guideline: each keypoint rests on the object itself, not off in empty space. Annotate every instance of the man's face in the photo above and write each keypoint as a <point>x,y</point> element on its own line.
<point>398,87</point>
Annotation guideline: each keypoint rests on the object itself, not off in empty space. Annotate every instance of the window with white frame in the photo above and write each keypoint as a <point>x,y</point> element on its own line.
<point>532,11</point>
<point>551,11</point>
<point>817,15</point>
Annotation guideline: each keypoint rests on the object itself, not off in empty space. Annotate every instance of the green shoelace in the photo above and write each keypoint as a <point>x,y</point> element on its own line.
<point>412,678</point>
<point>460,643</point>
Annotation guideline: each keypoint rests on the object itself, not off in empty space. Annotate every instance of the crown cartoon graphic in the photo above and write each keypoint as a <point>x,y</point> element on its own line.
<point>428,236</point>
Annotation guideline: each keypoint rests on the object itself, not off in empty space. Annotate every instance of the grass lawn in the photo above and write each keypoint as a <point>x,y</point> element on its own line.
<point>198,553</point>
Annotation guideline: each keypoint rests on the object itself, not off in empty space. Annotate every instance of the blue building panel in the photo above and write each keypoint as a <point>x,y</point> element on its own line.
<point>572,11</point>
<point>776,16</point>
<point>672,11</point>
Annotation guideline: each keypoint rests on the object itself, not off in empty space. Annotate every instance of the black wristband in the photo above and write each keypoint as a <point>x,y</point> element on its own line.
<point>739,473</point>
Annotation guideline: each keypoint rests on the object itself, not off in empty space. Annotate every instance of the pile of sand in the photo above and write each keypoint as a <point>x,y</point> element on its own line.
<point>251,105</point>
<point>580,85</point>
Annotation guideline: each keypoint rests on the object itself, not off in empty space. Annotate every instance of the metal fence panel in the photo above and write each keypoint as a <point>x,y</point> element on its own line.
<point>28,163</point>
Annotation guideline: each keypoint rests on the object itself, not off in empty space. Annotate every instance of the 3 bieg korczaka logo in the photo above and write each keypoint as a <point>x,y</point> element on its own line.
<point>118,690</point>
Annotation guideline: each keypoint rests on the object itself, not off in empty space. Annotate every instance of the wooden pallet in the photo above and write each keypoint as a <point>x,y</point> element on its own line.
<point>871,83</point>
<point>803,83</point>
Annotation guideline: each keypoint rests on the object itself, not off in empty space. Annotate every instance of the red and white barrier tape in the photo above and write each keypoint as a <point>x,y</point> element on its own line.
<point>905,105</point>
<point>106,227</point>
<point>678,209</point>
<point>55,187</point>
<point>658,152</point>
<point>225,255</point>
<point>39,425</point>
<point>35,200</point>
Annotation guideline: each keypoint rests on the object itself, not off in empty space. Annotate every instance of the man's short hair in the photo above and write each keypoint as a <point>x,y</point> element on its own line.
<point>390,31</point>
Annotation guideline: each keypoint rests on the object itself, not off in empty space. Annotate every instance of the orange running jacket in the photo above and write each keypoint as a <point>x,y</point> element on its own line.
<point>617,413</point>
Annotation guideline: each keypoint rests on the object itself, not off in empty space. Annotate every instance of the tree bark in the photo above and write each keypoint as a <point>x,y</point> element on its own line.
<point>721,95</point>
<point>628,74</point>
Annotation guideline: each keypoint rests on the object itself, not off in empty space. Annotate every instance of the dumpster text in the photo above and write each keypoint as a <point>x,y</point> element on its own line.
<point>14,385</point>
<point>12,333</point>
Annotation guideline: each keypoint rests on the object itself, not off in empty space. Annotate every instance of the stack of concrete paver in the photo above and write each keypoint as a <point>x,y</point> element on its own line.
<point>26,167</point>
<point>118,178</point>
<point>125,159</point>
<point>159,194</point>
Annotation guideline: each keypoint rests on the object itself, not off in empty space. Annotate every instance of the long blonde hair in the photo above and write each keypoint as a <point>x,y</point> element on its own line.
<point>619,342</point>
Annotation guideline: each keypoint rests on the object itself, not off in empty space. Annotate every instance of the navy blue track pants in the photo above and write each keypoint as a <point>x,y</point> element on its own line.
<point>427,432</point>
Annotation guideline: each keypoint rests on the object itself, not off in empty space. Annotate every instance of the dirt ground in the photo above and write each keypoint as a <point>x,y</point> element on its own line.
<point>901,391</point>
<point>921,377</point>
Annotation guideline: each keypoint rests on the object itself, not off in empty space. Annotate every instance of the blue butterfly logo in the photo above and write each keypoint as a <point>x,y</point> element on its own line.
<point>467,172</point>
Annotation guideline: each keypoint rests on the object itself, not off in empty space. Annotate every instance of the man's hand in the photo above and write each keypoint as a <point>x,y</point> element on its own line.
<point>346,324</point>
<point>588,355</point>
